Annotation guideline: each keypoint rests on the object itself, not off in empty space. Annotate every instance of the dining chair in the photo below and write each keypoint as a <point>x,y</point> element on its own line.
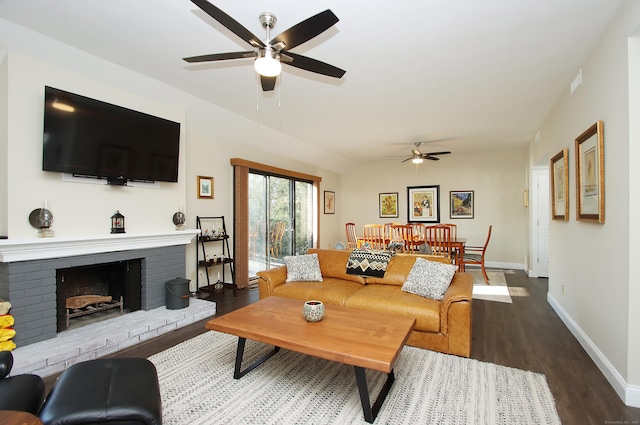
<point>475,255</point>
<point>439,239</point>
<point>418,231</point>
<point>455,255</point>
<point>374,236</point>
<point>275,238</point>
<point>352,236</point>
<point>387,229</point>
<point>405,233</point>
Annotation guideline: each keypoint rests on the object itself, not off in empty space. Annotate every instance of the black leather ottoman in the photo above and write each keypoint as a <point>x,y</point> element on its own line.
<point>105,391</point>
<point>24,393</point>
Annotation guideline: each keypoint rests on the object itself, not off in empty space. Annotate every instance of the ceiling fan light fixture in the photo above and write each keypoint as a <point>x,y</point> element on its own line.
<point>267,63</point>
<point>417,160</point>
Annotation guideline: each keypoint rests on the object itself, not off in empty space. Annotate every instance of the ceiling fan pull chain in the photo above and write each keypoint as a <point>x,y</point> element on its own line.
<point>279,89</point>
<point>257,91</point>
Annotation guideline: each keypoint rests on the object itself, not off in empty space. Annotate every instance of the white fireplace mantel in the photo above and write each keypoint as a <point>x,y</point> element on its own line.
<point>56,247</point>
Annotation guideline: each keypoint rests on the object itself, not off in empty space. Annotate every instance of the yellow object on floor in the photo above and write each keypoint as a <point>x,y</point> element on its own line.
<point>6,321</point>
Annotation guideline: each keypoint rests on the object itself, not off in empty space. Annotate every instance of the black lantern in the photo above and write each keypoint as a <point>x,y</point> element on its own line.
<point>117,223</point>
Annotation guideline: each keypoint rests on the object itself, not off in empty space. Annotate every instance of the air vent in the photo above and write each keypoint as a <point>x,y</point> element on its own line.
<point>577,82</point>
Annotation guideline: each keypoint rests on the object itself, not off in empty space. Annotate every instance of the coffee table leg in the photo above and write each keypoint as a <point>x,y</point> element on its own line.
<point>370,412</point>
<point>237,373</point>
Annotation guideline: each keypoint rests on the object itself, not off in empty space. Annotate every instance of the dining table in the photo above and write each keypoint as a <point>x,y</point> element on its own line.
<point>457,246</point>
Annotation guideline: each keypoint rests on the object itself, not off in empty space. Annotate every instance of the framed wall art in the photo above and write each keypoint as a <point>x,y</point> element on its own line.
<point>388,205</point>
<point>423,204</point>
<point>560,186</point>
<point>590,174</point>
<point>205,187</point>
<point>329,202</point>
<point>461,204</point>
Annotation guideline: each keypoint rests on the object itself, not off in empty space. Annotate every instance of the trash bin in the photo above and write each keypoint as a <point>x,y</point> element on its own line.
<point>177,293</point>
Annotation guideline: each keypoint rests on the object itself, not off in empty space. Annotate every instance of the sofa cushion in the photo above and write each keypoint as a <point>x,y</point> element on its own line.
<point>391,299</point>
<point>429,278</point>
<point>366,262</point>
<point>330,291</point>
<point>399,267</point>
<point>333,263</point>
<point>303,268</point>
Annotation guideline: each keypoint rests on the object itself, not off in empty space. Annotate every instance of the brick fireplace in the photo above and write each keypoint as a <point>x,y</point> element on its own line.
<point>28,271</point>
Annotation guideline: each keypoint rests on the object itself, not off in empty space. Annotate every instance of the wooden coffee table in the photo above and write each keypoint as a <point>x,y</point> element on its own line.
<point>362,339</point>
<point>14,417</point>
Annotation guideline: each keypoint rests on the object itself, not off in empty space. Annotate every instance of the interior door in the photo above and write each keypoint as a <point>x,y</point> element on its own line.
<point>540,223</point>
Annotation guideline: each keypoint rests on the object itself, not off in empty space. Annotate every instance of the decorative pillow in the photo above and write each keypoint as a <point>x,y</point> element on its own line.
<point>368,263</point>
<point>425,249</point>
<point>429,279</point>
<point>303,268</point>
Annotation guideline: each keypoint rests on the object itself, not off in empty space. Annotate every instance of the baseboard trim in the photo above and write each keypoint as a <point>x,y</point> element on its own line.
<point>500,265</point>
<point>629,394</point>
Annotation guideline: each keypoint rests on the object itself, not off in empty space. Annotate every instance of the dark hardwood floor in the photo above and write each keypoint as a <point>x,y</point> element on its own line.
<point>527,334</point>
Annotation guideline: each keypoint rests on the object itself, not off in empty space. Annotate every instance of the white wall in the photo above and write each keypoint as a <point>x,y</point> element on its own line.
<point>4,106</point>
<point>78,209</point>
<point>210,137</point>
<point>589,276</point>
<point>634,208</point>
<point>498,180</point>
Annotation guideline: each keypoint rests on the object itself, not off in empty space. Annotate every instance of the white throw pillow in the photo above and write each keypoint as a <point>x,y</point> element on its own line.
<point>303,268</point>
<point>429,279</point>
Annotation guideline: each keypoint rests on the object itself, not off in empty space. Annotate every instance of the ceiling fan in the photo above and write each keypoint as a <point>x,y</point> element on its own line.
<point>271,53</point>
<point>418,157</point>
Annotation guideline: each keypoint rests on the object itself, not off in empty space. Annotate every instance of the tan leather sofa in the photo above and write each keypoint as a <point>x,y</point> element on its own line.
<point>443,326</point>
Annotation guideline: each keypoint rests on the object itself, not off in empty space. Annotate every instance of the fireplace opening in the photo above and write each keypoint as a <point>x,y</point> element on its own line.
<point>88,294</point>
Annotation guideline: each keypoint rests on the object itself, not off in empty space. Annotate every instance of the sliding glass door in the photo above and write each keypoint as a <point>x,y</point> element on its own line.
<point>280,219</point>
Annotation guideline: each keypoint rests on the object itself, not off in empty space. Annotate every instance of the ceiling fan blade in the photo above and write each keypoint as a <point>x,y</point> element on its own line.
<point>229,23</point>
<point>220,57</point>
<point>431,158</point>
<point>268,83</point>
<point>314,65</point>
<point>405,160</point>
<point>437,153</point>
<point>306,30</point>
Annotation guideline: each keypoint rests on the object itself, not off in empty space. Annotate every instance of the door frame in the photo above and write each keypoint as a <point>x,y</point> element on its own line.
<point>241,169</point>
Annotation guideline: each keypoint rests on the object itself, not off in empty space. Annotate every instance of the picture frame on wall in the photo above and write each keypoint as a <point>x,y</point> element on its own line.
<point>205,187</point>
<point>560,186</point>
<point>423,204</point>
<point>590,174</point>
<point>329,202</point>
<point>388,205</point>
<point>461,203</point>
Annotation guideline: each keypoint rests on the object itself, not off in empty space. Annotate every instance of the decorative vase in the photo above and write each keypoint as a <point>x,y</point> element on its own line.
<point>313,310</point>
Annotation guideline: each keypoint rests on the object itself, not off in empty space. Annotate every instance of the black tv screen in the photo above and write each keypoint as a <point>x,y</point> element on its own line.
<point>89,137</point>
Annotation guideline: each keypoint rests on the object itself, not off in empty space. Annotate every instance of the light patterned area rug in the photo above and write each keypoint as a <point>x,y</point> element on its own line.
<point>496,290</point>
<point>197,388</point>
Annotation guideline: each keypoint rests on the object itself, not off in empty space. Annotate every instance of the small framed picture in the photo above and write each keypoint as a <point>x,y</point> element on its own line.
<point>388,204</point>
<point>590,174</point>
<point>205,187</point>
<point>461,204</point>
<point>560,186</point>
<point>329,202</point>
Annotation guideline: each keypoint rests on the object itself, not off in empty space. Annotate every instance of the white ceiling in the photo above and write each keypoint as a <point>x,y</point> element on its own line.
<point>479,74</point>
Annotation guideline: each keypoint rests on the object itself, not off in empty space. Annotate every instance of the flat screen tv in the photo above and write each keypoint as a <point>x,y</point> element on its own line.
<point>88,137</point>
